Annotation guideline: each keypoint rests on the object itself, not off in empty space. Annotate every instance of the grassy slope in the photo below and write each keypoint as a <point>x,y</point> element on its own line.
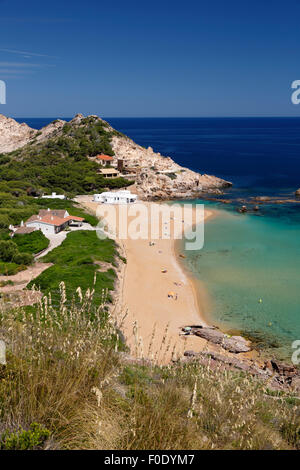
<point>31,242</point>
<point>64,373</point>
<point>74,265</point>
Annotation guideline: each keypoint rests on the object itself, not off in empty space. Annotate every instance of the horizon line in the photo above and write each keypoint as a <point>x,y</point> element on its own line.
<point>161,117</point>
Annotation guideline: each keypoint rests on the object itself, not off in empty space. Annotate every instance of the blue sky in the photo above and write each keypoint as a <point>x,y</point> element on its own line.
<point>158,58</point>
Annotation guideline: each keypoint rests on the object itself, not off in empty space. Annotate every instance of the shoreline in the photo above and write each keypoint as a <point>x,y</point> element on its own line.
<point>152,328</point>
<point>149,319</point>
<point>202,296</point>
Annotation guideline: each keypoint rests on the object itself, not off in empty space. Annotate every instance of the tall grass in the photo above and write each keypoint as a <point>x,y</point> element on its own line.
<point>65,372</point>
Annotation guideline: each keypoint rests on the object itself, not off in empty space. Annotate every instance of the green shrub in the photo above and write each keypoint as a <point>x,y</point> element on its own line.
<point>173,176</point>
<point>4,221</point>
<point>23,258</point>
<point>6,283</point>
<point>31,439</point>
<point>8,250</point>
<point>31,242</point>
<point>58,164</point>
<point>10,269</point>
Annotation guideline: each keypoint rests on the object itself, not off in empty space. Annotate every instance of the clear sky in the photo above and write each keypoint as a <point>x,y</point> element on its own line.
<point>149,58</point>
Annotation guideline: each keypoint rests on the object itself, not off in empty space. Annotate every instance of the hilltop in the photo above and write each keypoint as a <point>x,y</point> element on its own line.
<point>60,157</point>
<point>56,158</point>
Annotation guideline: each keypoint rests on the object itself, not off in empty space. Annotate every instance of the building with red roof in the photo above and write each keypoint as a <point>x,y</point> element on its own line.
<point>105,160</point>
<point>51,222</point>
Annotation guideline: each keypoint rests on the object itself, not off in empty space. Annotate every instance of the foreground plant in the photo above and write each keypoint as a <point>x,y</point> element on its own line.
<point>65,372</point>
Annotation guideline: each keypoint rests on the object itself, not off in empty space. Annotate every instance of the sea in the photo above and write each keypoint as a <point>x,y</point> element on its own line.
<point>250,262</point>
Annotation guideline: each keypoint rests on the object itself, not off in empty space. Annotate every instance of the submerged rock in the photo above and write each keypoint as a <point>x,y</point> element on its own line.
<point>262,198</point>
<point>242,209</point>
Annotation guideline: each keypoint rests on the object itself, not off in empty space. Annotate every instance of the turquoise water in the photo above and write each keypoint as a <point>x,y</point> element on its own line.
<point>247,258</point>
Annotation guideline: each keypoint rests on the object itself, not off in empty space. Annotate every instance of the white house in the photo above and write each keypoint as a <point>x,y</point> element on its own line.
<point>54,221</point>
<point>118,197</point>
<point>54,196</point>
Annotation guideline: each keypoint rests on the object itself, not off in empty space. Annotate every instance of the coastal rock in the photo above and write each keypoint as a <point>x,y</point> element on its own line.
<point>13,135</point>
<point>283,369</point>
<point>190,353</point>
<point>159,177</point>
<point>209,334</point>
<point>296,383</point>
<point>234,344</point>
<point>297,193</point>
<point>214,359</point>
<point>242,209</point>
<point>262,198</point>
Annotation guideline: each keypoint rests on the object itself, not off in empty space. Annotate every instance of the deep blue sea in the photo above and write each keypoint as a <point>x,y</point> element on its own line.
<point>250,263</point>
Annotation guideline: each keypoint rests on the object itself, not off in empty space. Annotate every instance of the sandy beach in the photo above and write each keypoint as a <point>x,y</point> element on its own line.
<point>153,319</point>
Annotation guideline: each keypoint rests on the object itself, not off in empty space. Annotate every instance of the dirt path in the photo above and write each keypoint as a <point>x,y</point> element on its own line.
<point>22,278</point>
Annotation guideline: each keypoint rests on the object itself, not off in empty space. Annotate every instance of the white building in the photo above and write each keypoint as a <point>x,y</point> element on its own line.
<point>54,196</point>
<point>119,197</point>
<point>54,221</point>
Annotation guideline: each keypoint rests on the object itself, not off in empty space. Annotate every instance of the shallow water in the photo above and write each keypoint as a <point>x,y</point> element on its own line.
<point>250,266</point>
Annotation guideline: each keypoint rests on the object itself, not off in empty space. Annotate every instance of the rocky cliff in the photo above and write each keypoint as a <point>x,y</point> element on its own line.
<point>159,177</point>
<point>14,135</point>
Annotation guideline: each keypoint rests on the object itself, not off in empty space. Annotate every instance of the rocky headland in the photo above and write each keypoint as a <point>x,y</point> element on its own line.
<point>155,176</point>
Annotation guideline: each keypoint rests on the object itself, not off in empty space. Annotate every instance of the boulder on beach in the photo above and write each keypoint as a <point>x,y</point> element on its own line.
<point>209,334</point>
<point>234,344</point>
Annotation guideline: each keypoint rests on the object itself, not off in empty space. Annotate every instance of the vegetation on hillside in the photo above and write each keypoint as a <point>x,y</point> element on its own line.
<point>77,262</point>
<point>66,379</point>
<point>15,209</point>
<point>31,242</point>
<point>60,163</point>
<point>12,260</point>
